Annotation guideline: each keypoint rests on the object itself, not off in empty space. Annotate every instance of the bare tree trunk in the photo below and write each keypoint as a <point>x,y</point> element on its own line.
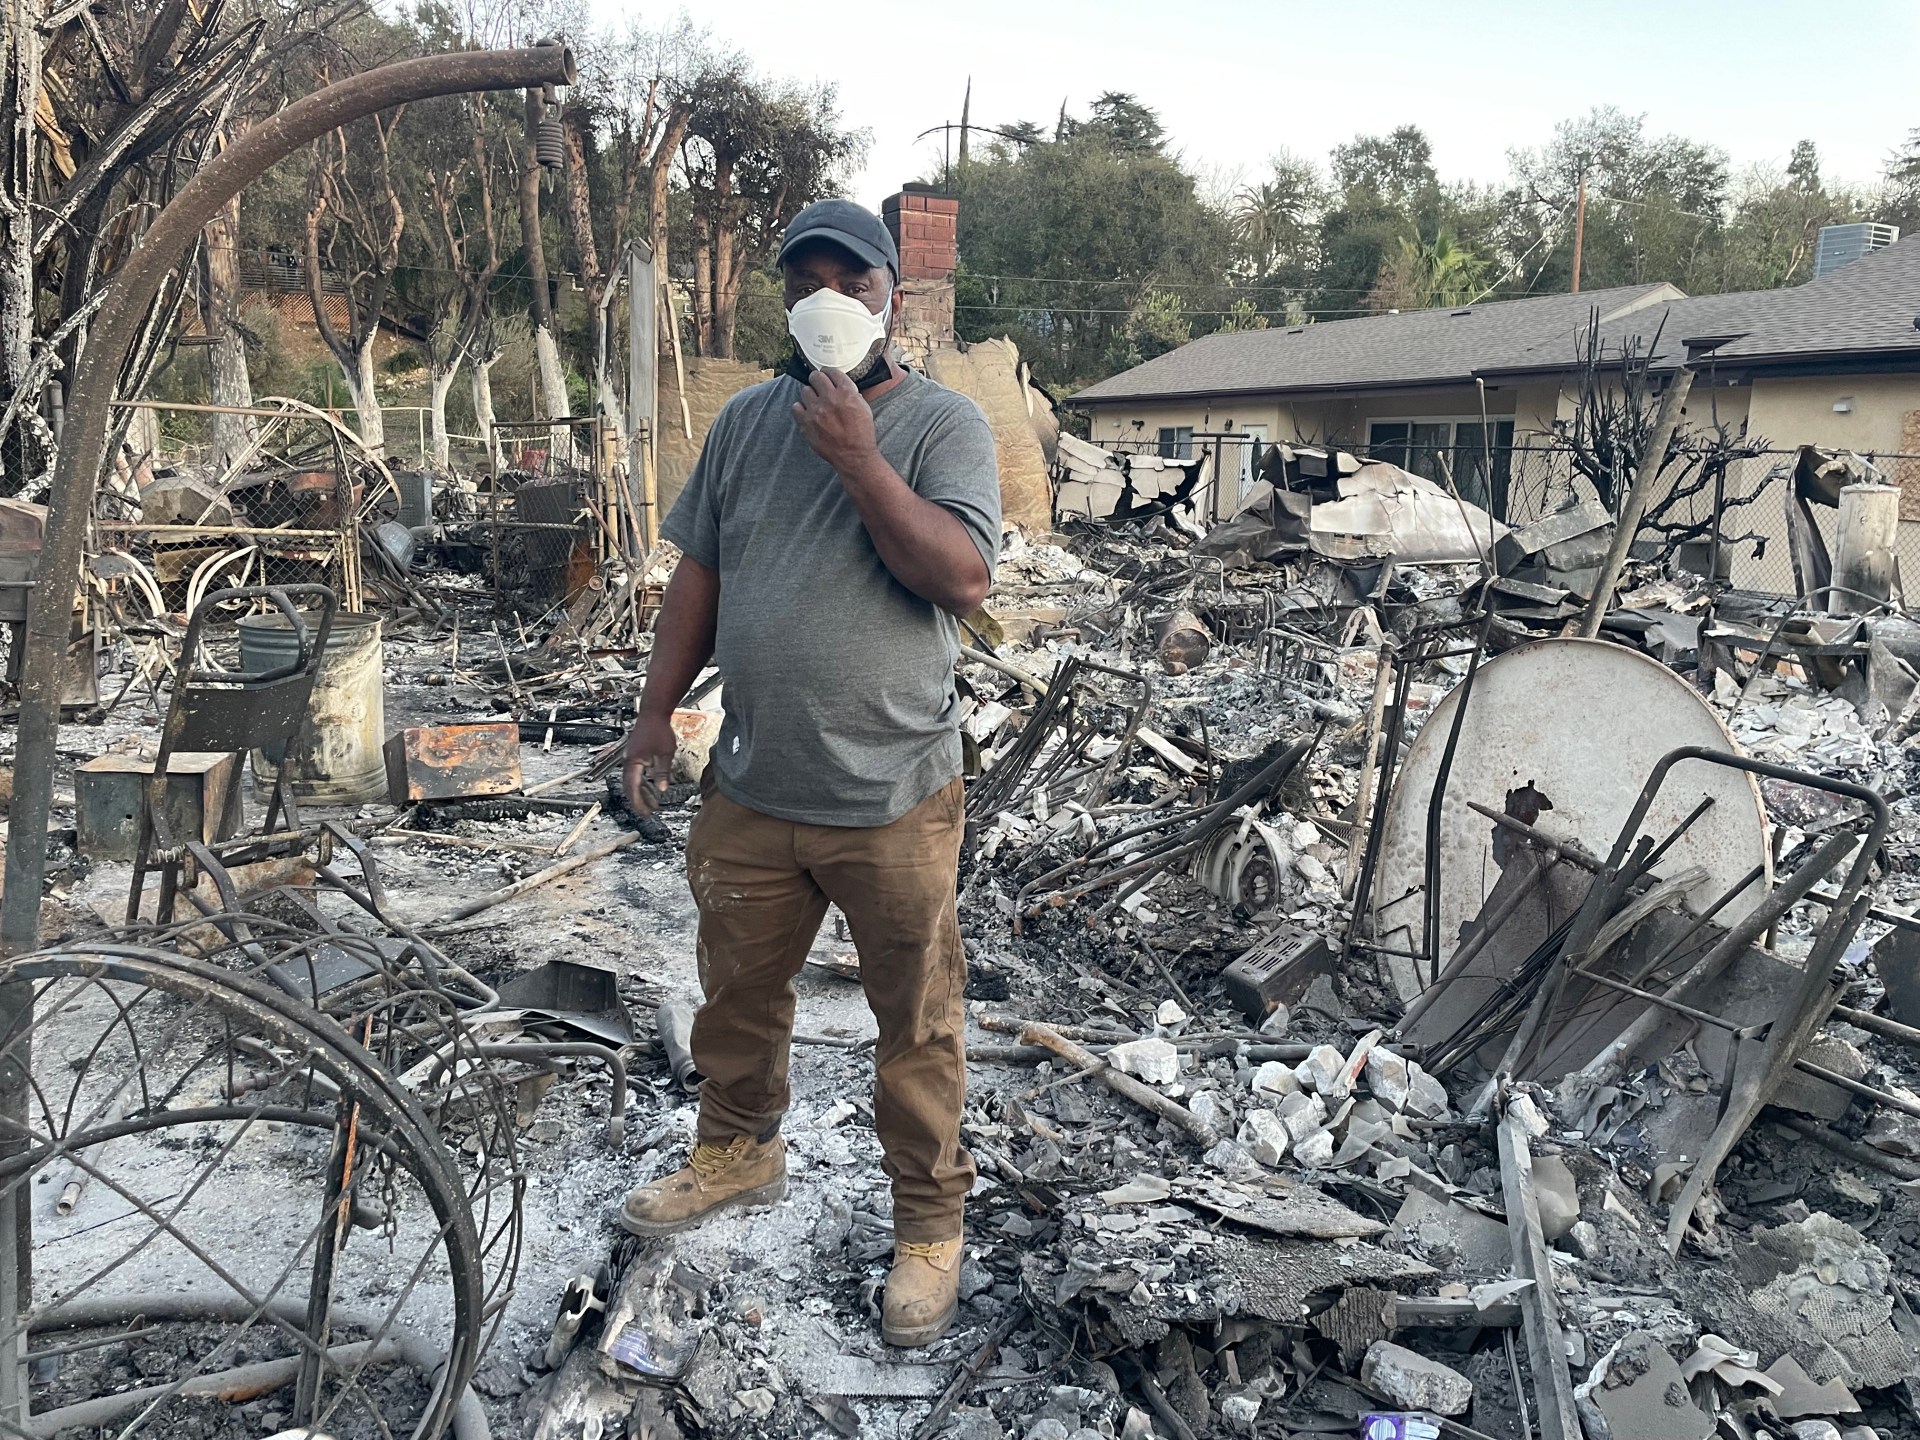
<point>593,279</point>
<point>725,292</point>
<point>659,173</point>
<point>481,379</point>
<point>226,348</point>
<point>546,350</point>
<point>439,381</point>
<point>371,424</point>
<point>702,295</point>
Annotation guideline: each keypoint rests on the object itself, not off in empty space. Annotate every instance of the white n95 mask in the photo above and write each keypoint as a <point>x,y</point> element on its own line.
<point>836,331</point>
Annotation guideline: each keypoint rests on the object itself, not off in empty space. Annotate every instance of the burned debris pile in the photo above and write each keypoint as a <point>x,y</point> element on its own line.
<point>1427,976</point>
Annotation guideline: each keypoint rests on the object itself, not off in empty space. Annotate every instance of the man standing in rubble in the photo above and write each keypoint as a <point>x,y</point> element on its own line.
<point>840,517</point>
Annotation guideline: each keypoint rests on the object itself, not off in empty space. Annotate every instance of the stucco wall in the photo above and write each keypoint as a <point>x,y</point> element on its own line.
<point>1799,411</point>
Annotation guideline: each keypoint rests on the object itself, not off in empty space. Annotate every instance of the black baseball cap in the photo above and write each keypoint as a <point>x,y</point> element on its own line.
<point>852,227</point>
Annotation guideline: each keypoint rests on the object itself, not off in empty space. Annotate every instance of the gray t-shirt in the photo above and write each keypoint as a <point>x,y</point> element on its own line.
<point>839,693</point>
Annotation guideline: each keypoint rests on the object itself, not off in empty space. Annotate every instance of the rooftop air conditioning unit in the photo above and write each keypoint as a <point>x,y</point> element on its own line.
<point>1843,244</point>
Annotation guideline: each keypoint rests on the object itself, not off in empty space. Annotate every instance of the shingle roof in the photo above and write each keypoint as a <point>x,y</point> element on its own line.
<point>1868,308</point>
<point>1418,347</point>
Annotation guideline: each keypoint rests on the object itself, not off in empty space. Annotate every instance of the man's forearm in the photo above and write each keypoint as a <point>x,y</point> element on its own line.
<point>923,546</point>
<point>683,636</point>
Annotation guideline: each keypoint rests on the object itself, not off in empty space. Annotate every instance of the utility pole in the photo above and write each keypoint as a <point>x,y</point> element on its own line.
<point>1579,230</point>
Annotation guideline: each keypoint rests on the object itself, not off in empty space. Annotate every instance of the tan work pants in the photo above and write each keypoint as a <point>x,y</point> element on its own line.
<point>763,886</point>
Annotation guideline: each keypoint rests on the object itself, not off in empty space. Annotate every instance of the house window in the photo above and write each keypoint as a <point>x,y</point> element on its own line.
<point>1480,464</point>
<point>1176,442</point>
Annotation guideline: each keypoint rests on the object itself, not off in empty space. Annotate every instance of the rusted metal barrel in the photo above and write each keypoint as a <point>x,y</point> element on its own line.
<point>336,757</point>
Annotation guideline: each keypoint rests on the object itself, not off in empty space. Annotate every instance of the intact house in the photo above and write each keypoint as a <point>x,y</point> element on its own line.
<point>1476,391</point>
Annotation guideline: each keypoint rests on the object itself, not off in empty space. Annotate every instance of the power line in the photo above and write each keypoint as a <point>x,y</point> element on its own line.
<point>1096,310</point>
<point>1169,284</point>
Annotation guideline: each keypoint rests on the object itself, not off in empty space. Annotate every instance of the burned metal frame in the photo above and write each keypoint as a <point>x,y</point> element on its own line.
<point>1164,854</point>
<point>116,327</point>
<point>615,529</point>
<point>1804,1010</point>
<point>1407,656</point>
<point>194,1011</point>
<point>1029,766</point>
<point>231,711</point>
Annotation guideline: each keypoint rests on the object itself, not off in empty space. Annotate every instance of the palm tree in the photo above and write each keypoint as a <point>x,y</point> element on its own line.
<point>1443,271</point>
<point>1274,217</point>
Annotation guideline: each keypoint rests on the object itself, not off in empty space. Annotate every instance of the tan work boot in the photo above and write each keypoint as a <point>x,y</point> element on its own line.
<point>923,1291</point>
<point>717,1177</point>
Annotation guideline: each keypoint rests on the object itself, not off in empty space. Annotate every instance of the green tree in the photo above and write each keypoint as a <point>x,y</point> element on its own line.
<point>1062,241</point>
<point>1156,324</point>
<point>1899,199</point>
<point>1655,206</point>
<point>1427,272</point>
<point>1243,315</point>
<point>1123,122</point>
<point>1276,223</point>
<point>1775,221</point>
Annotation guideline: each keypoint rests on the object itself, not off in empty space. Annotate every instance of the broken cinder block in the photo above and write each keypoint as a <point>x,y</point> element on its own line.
<point>1152,1060</point>
<point>1265,1136</point>
<point>1412,1380</point>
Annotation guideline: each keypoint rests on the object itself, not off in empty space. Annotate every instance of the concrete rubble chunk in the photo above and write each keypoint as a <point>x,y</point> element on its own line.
<point>1410,1379</point>
<point>1426,1096</point>
<point>1265,1137</point>
<point>1815,1430</point>
<point>1274,1079</point>
<point>1153,1060</point>
<point>1558,1196</point>
<point>1315,1149</point>
<point>1241,1412</point>
<point>1894,1132</point>
<point>1302,1113</point>
<point>1531,1120</point>
<point>1321,1072</point>
<point>1387,1077</point>
<point>1230,1159</point>
<point>1209,1109</point>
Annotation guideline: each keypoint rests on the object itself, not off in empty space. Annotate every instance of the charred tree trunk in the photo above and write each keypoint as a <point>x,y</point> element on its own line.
<point>546,349</point>
<point>593,280</point>
<point>480,378</point>
<point>726,286</point>
<point>229,381</point>
<point>702,294</point>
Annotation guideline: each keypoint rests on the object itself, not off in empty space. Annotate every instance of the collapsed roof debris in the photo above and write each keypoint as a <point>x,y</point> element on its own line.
<point>1392,1013</point>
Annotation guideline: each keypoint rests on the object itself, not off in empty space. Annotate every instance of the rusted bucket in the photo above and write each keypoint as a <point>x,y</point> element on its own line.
<point>336,758</point>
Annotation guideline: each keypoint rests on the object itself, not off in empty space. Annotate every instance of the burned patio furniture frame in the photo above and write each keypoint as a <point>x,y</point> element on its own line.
<point>224,710</point>
<point>1754,1078</point>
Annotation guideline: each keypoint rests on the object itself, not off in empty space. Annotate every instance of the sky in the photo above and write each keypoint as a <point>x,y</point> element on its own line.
<point>1236,80</point>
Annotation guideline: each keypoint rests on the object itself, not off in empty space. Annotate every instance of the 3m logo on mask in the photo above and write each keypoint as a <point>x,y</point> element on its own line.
<point>835,331</point>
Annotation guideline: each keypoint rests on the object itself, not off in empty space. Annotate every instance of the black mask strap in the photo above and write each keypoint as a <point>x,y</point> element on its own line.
<point>801,369</point>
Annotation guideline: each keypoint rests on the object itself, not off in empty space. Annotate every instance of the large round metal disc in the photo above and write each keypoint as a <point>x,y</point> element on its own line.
<point>1583,722</point>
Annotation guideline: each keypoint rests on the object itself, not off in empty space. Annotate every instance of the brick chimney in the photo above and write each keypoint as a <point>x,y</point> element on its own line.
<point>925,226</point>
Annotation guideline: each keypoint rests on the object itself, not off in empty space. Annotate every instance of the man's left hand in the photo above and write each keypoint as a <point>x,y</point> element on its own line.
<point>837,421</point>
